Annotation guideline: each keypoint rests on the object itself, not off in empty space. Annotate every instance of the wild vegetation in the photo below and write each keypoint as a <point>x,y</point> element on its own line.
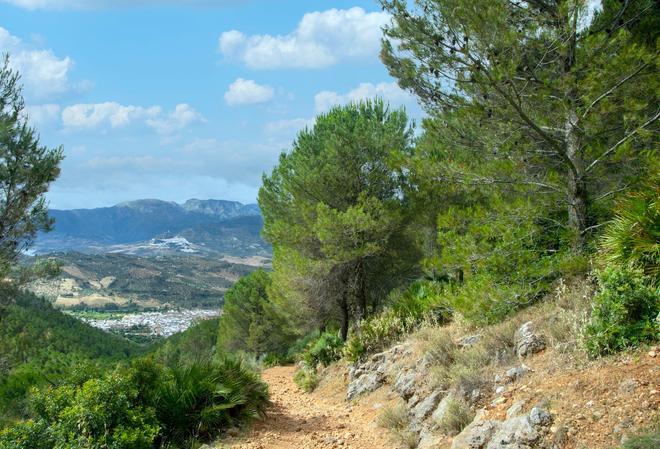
<point>537,166</point>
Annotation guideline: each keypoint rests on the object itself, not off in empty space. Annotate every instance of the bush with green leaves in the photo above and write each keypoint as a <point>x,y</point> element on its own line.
<point>376,333</point>
<point>101,413</point>
<point>625,312</point>
<point>196,402</point>
<point>632,238</point>
<point>306,378</point>
<point>325,350</point>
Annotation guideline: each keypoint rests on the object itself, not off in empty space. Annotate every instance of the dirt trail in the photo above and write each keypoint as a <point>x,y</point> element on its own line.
<point>322,419</point>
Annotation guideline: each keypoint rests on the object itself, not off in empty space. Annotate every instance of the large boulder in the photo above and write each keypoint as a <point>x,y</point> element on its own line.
<point>527,341</point>
<point>365,383</point>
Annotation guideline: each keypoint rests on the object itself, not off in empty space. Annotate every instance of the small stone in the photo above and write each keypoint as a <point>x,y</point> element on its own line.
<point>652,354</point>
<point>499,390</point>
<point>628,386</point>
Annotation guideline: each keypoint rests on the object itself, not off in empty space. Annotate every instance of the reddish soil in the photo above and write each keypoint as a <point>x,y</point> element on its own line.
<point>322,419</point>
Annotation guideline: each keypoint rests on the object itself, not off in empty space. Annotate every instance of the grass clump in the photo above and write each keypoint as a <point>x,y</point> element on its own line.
<point>397,421</point>
<point>306,378</point>
<point>458,416</point>
<point>324,350</point>
<point>645,439</point>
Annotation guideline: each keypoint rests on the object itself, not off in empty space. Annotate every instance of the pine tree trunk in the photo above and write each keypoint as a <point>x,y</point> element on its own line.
<point>577,187</point>
<point>344,322</point>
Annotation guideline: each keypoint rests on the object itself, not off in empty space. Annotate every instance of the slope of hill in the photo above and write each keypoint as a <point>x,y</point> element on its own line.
<point>133,226</point>
<point>122,281</point>
<point>39,344</point>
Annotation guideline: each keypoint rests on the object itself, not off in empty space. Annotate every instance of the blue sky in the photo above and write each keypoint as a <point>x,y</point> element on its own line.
<point>178,99</point>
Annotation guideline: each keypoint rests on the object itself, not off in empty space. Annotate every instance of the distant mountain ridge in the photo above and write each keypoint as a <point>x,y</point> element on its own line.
<point>223,226</point>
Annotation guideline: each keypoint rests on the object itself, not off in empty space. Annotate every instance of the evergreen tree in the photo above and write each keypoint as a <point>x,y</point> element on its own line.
<point>567,104</point>
<point>26,170</point>
<point>333,212</point>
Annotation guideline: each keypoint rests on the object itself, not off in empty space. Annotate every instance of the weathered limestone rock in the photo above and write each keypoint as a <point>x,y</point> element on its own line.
<point>516,432</point>
<point>405,384</point>
<point>370,375</point>
<point>366,383</point>
<point>442,408</point>
<point>424,408</point>
<point>469,340</point>
<point>516,373</point>
<point>528,342</point>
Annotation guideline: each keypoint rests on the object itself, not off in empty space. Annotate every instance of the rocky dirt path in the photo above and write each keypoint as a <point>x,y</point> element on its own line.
<point>321,420</point>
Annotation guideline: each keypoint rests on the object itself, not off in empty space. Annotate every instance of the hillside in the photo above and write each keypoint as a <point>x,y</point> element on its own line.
<point>154,227</point>
<point>40,344</point>
<point>456,387</point>
<point>122,281</point>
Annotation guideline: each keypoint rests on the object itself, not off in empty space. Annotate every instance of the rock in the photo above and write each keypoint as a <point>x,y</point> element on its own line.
<point>516,373</point>
<point>405,384</point>
<point>475,435</point>
<point>519,432</point>
<point>626,423</point>
<point>425,407</point>
<point>527,342</point>
<point>499,390</point>
<point>540,417</point>
<point>469,340</point>
<point>442,408</point>
<point>516,409</point>
<point>428,440</point>
<point>366,383</point>
<point>628,386</point>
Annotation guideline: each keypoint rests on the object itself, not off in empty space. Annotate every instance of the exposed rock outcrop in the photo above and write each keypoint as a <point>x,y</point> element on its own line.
<point>527,341</point>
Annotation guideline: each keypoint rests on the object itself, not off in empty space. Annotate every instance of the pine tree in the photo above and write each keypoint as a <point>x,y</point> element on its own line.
<point>26,170</point>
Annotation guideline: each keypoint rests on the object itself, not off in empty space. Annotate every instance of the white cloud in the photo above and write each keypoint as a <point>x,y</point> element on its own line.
<point>389,92</point>
<point>43,114</point>
<point>43,74</point>
<point>321,39</point>
<point>114,114</point>
<point>96,4</point>
<point>182,116</point>
<point>247,92</point>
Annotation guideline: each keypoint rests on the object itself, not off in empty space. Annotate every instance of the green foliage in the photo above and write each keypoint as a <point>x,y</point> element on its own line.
<point>534,98</point>
<point>40,345</point>
<point>334,214</point>
<point>625,312</point>
<point>376,333</point>
<point>325,350</point>
<point>198,401</point>
<point>251,322</point>
<point>306,378</point>
<point>644,439</point>
<point>195,344</point>
<point>101,413</point>
<point>26,170</point>
<point>633,237</point>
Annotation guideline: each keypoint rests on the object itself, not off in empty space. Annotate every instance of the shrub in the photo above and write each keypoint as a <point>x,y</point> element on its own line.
<point>645,439</point>
<point>325,350</point>
<point>456,418</point>
<point>102,413</point>
<point>624,313</point>
<point>306,379</point>
<point>376,333</point>
<point>198,401</point>
<point>397,421</point>
<point>632,238</point>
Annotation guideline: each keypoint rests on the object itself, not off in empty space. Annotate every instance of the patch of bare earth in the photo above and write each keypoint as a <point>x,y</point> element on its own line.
<point>593,406</point>
<point>322,419</point>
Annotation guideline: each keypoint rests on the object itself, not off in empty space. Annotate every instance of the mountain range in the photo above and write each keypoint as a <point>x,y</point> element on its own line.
<point>147,227</point>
